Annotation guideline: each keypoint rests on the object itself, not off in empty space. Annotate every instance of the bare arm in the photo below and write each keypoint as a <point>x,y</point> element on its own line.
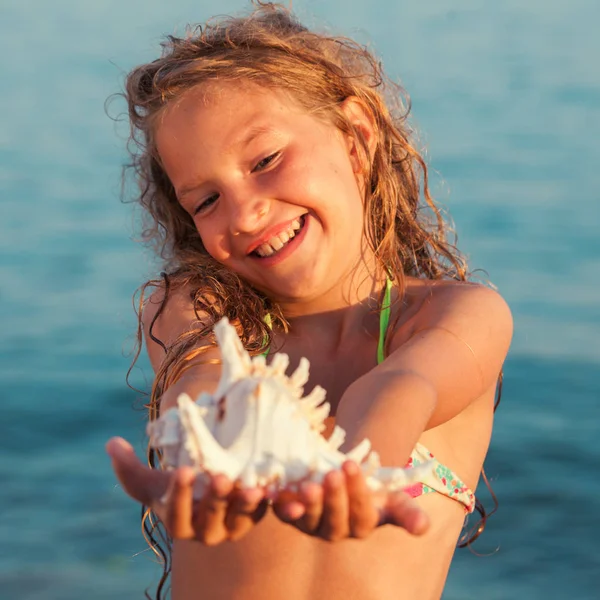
<point>176,317</point>
<point>454,357</point>
<point>342,507</point>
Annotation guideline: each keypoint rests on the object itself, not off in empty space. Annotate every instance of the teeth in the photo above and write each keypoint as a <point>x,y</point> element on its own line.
<point>278,241</point>
<point>264,250</point>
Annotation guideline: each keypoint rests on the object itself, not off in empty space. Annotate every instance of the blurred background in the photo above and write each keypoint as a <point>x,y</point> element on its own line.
<point>506,96</point>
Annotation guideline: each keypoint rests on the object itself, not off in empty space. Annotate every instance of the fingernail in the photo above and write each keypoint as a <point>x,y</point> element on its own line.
<point>252,495</point>
<point>116,447</point>
<point>309,490</point>
<point>351,468</point>
<point>221,485</point>
<point>294,511</point>
<point>185,476</point>
<point>334,479</point>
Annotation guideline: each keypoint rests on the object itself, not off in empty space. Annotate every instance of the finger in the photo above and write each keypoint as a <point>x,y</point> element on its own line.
<point>287,506</point>
<point>179,504</point>
<point>334,521</point>
<point>139,481</point>
<point>245,509</point>
<point>311,495</point>
<point>401,510</point>
<point>209,515</point>
<point>363,515</point>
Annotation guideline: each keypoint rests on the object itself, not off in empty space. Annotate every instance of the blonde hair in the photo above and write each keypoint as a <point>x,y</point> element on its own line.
<point>404,228</point>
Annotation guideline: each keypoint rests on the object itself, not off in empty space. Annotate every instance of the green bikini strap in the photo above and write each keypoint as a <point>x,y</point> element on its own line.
<point>384,320</point>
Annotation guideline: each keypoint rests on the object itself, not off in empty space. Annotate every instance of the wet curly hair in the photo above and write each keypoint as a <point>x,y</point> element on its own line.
<point>405,230</point>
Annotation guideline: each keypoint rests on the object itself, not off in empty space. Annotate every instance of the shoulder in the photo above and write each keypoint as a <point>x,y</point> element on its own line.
<point>466,308</point>
<point>166,314</point>
<point>459,337</point>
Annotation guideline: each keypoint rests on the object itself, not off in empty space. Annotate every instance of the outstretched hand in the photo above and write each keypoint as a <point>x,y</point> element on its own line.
<point>344,507</point>
<point>223,513</point>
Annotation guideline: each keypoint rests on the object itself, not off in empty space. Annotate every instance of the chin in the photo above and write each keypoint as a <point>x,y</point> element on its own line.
<point>291,289</point>
<point>289,292</point>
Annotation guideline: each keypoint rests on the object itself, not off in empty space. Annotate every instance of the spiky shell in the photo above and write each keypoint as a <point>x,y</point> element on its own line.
<point>259,430</point>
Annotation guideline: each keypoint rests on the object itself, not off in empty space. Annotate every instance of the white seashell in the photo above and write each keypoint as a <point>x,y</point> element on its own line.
<point>259,431</point>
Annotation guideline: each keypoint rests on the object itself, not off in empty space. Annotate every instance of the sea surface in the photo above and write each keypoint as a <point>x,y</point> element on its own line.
<point>506,96</point>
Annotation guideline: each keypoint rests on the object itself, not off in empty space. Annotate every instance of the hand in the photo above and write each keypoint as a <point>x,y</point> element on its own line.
<point>343,507</point>
<point>223,513</point>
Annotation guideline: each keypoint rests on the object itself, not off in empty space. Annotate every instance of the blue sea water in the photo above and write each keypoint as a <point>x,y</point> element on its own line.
<point>506,96</point>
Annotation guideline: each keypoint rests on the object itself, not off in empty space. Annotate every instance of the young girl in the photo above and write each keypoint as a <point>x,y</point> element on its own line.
<point>284,192</point>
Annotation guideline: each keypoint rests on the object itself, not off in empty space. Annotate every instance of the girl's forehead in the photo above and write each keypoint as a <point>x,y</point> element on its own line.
<point>235,98</point>
<point>206,131</point>
<point>232,112</point>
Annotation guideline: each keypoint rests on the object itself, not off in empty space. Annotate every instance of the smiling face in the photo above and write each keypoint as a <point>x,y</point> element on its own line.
<point>272,190</point>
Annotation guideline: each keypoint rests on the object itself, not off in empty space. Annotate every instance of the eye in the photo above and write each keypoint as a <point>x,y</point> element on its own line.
<point>265,162</point>
<point>205,204</point>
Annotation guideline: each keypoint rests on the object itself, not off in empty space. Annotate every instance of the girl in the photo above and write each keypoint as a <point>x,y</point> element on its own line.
<point>283,190</point>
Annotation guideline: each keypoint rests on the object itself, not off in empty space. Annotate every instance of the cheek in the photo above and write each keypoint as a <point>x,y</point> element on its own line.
<point>346,180</point>
<point>212,240</point>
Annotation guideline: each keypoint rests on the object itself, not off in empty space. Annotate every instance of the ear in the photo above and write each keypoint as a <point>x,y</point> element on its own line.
<point>364,124</point>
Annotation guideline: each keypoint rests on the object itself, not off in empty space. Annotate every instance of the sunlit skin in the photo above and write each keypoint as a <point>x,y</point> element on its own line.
<point>236,190</point>
<point>436,386</point>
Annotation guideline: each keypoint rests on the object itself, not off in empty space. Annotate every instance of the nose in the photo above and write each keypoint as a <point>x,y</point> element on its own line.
<point>247,215</point>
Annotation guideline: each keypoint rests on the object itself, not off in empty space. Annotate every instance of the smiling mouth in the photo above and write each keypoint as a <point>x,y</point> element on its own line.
<point>279,242</point>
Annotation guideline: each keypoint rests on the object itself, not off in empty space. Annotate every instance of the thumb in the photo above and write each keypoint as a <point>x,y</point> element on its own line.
<point>401,510</point>
<point>140,482</point>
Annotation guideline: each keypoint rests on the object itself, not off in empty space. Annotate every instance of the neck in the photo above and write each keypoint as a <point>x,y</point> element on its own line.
<point>347,308</point>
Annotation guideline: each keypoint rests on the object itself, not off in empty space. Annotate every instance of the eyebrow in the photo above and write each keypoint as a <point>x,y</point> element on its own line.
<point>249,136</point>
<point>252,133</point>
